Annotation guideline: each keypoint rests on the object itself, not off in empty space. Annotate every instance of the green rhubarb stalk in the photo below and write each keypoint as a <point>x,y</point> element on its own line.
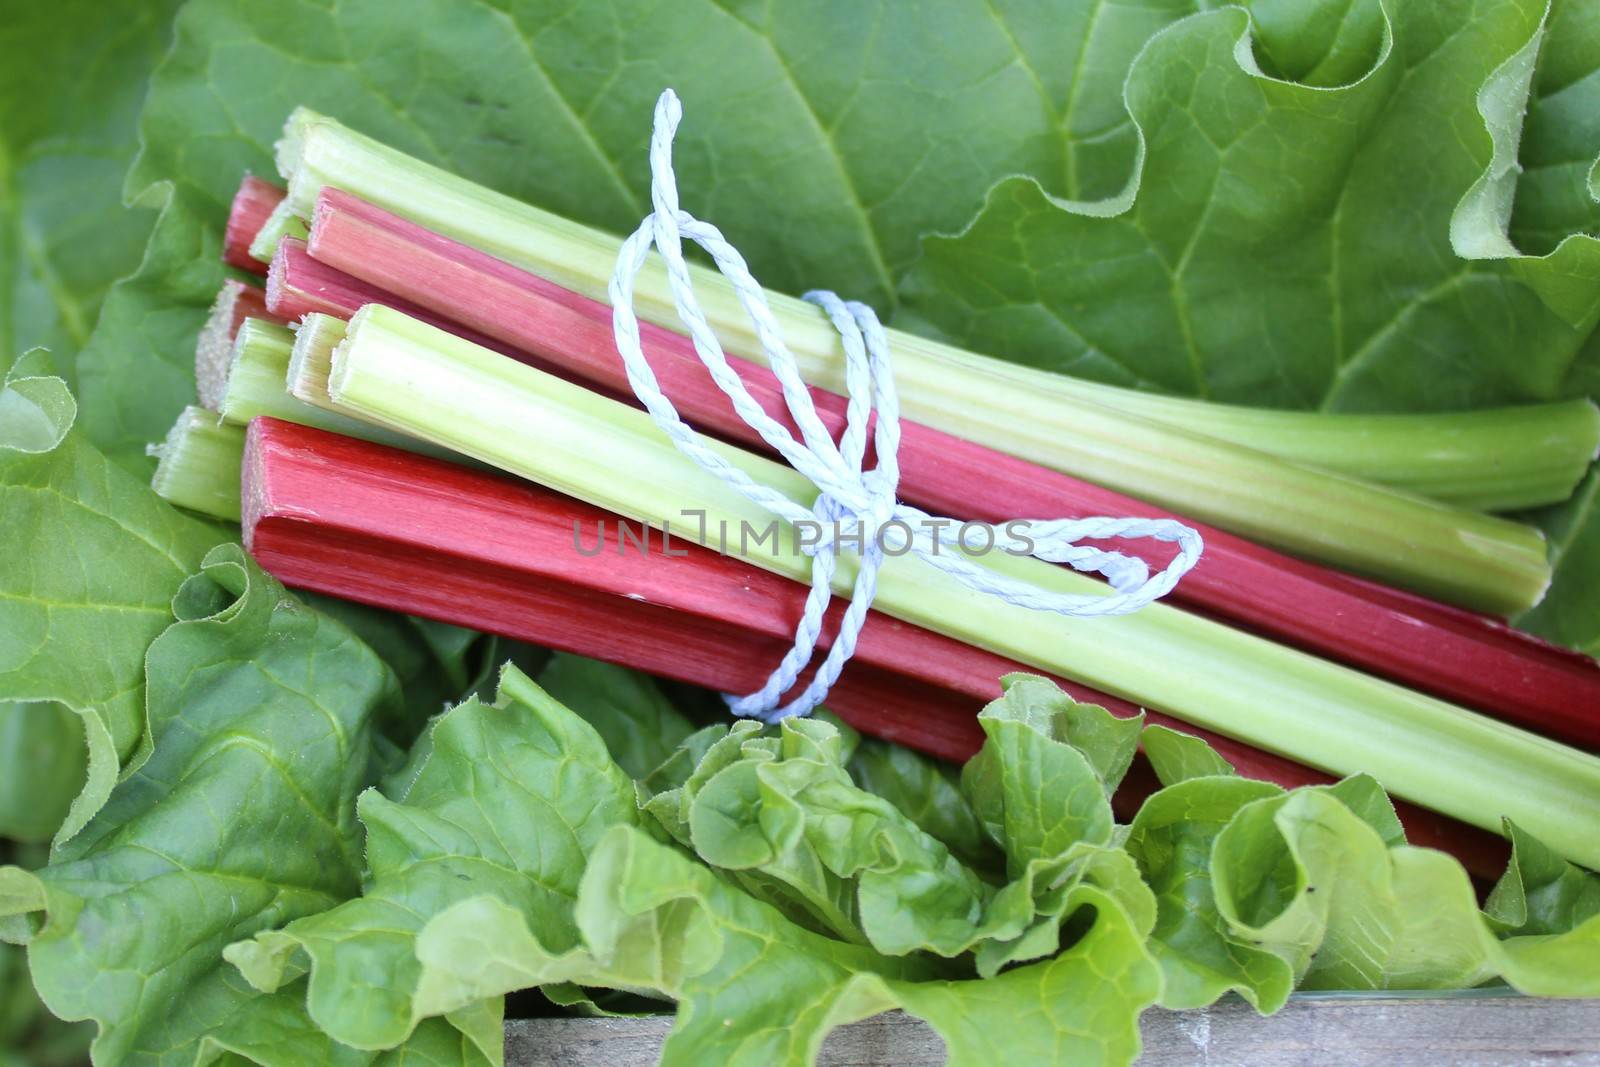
<point>1497,459</point>
<point>283,222</point>
<point>197,466</point>
<point>474,401</point>
<point>1028,412</point>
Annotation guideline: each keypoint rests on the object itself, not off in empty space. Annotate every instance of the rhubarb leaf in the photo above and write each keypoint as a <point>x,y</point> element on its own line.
<point>241,818</point>
<point>29,1035</point>
<point>70,90</point>
<point>77,615</point>
<point>42,768</point>
<point>506,804</point>
<point>436,664</point>
<point>1314,883</point>
<point>1557,192</point>
<point>1294,245</point>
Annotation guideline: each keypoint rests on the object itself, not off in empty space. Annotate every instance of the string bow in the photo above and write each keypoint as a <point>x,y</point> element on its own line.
<point>849,496</point>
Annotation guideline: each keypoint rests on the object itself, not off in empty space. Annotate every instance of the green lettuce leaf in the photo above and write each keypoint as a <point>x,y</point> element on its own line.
<point>784,815</point>
<point>79,607</point>
<point>70,89</point>
<point>1043,780</point>
<point>242,818</point>
<point>507,802</point>
<point>755,988</point>
<point>929,794</point>
<point>640,726</point>
<point>1171,838</point>
<point>1541,893</point>
<point>512,858</point>
<point>1176,756</point>
<point>1306,878</point>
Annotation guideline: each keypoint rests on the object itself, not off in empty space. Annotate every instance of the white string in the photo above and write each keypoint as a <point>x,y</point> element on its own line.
<point>848,495</point>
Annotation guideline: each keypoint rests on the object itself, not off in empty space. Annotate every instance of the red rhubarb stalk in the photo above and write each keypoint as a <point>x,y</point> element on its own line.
<point>1452,653</point>
<point>252,204</point>
<point>418,535</point>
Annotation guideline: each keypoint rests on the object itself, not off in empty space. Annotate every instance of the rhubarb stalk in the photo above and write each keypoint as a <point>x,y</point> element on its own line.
<point>252,205</point>
<point>1445,651</point>
<point>299,286</point>
<point>474,401</point>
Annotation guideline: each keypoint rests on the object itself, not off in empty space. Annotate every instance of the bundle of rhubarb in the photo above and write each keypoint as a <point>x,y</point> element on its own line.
<point>417,405</point>
<point>1336,625</point>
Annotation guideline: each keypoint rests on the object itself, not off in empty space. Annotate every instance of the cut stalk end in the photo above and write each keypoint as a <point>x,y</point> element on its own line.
<point>236,302</point>
<point>311,360</point>
<point>283,222</point>
<point>198,464</point>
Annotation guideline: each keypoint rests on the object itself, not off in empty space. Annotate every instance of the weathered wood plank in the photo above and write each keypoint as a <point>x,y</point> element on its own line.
<point>1481,1030</point>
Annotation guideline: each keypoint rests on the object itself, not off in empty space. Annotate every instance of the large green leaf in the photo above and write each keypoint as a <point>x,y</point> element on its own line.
<point>1291,244</point>
<point>1557,194</point>
<point>242,818</point>
<point>72,80</point>
<point>1368,241</point>
<point>29,1035</point>
<point>817,109</point>
<point>1570,611</point>
<point>42,768</point>
<point>94,586</point>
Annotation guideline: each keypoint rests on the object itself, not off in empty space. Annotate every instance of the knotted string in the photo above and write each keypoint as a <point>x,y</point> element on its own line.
<point>847,493</point>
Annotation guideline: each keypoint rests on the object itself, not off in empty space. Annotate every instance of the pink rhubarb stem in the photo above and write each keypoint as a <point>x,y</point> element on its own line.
<point>254,201</point>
